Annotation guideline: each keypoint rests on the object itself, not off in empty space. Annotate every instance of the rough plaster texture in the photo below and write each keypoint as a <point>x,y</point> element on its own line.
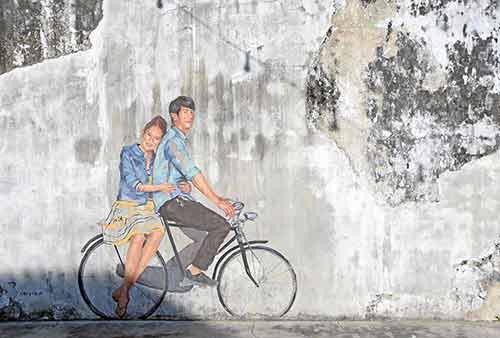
<point>35,30</point>
<point>295,130</point>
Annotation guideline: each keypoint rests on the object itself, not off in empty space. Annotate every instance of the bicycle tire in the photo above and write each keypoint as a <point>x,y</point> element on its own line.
<point>95,308</point>
<point>227,284</point>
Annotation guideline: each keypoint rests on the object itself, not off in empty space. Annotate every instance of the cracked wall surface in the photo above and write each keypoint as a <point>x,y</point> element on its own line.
<point>478,285</point>
<point>299,117</point>
<point>415,88</point>
<point>413,141</point>
<point>32,31</point>
<point>430,93</point>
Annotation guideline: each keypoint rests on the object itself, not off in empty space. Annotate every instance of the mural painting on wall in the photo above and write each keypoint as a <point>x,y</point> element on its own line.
<point>311,137</point>
<point>157,176</point>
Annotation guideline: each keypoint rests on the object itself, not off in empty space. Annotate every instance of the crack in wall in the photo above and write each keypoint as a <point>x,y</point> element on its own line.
<point>322,96</point>
<point>477,285</point>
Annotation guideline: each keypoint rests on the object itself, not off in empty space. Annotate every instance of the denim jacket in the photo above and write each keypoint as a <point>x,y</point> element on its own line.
<point>173,164</point>
<point>132,172</point>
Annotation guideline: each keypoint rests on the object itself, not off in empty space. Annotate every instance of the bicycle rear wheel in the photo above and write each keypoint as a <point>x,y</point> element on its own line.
<point>101,272</point>
<point>275,276</point>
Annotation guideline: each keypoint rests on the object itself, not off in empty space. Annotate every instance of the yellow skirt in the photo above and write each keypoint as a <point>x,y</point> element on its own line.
<point>129,218</point>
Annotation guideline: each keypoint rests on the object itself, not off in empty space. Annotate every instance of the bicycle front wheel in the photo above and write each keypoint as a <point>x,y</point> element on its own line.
<point>276,288</point>
<point>101,272</point>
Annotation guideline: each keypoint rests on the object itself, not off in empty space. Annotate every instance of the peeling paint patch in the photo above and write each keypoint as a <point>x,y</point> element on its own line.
<point>367,2</point>
<point>477,285</point>
<point>321,95</point>
<point>416,133</point>
<point>372,310</point>
<point>12,307</point>
<point>32,31</point>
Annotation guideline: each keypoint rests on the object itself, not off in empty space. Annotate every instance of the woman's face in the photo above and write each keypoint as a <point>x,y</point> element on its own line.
<point>151,138</point>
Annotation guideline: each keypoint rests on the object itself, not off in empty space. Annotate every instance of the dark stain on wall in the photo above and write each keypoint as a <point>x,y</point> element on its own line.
<point>260,148</point>
<point>31,31</point>
<point>87,150</point>
<point>367,2</point>
<point>417,133</point>
<point>322,95</point>
<point>418,7</point>
<point>157,100</point>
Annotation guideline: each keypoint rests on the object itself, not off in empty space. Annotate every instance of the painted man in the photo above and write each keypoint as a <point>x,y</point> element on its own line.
<point>173,164</point>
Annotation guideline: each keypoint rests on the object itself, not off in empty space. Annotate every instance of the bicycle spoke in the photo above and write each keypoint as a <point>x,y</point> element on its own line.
<point>275,267</point>
<point>241,271</point>
<point>275,294</point>
<point>98,279</point>
<point>279,274</point>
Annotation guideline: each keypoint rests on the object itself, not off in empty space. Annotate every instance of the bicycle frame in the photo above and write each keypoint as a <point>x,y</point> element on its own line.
<point>242,244</point>
<point>238,236</point>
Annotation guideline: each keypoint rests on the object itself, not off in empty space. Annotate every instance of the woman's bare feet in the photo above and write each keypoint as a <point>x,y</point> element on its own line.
<point>121,297</point>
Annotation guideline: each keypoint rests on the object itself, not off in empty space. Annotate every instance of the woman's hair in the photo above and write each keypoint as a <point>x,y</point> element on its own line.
<point>157,121</point>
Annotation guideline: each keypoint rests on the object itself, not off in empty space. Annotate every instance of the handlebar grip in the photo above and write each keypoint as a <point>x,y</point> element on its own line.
<point>238,205</point>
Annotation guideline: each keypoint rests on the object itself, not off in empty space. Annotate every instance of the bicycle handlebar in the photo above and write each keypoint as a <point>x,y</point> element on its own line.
<point>238,206</point>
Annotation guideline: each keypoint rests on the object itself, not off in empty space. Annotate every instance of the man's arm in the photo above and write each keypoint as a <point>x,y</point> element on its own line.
<point>176,153</point>
<point>179,157</point>
<point>200,182</point>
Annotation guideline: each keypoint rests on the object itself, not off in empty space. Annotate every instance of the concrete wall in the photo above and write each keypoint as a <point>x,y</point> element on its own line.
<point>364,133</point>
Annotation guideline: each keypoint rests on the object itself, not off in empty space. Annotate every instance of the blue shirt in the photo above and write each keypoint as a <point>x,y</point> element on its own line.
<point>132,172</point>
<point>173,164</point>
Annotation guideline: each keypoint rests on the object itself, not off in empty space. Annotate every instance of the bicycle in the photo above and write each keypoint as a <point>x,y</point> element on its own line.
<point>254,280</point>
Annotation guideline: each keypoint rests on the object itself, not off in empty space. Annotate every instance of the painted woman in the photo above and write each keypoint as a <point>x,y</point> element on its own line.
<point>133,219</point>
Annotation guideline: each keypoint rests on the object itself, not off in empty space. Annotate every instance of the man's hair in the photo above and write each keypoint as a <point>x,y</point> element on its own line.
<point>180,101</point>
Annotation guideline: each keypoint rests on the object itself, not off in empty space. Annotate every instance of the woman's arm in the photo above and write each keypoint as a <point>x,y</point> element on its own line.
<point>127,171</point>
<point>184,186</point>
<point>164,187</point>
<point>130,176</point>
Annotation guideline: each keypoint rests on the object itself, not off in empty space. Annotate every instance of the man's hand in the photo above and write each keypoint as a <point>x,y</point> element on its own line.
<point>185,187</point>
<point>202,185</point>
<point>226,206</point>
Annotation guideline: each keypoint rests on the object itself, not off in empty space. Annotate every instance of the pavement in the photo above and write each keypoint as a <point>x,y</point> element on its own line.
<point>241,329</point>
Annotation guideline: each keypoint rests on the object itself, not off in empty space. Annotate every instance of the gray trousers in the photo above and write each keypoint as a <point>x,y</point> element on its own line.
<point>194,215</point>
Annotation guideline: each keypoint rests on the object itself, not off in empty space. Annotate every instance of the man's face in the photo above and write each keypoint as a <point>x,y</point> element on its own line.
<point>184,119</point>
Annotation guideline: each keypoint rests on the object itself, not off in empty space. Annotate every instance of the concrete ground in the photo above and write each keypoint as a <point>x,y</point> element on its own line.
<point>236,329</point>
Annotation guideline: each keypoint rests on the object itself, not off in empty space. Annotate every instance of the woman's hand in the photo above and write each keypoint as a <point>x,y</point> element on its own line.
<point>165,187</point>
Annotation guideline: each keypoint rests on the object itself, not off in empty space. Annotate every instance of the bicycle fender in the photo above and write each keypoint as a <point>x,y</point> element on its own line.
<point>236,247</point>
<point>92,240</point>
